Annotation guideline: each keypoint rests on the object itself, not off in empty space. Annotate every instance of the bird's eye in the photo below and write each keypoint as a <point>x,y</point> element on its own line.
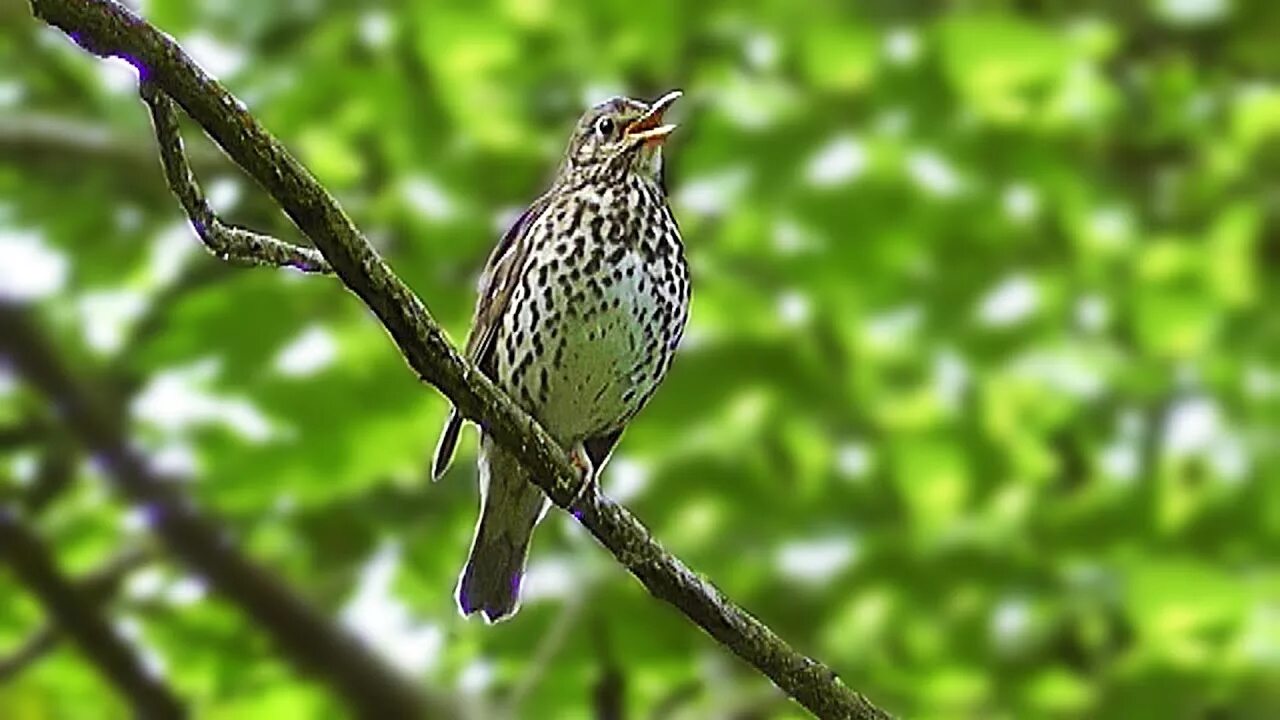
<point>604,127</point>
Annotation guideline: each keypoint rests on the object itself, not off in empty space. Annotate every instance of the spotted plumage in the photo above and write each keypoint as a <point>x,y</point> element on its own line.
<point>581,307</point>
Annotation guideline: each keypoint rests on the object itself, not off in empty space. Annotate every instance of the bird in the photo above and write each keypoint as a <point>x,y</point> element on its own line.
<point>580,308</point>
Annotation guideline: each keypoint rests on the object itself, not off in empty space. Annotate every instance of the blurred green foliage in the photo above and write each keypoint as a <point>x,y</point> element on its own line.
<point>979,401</point>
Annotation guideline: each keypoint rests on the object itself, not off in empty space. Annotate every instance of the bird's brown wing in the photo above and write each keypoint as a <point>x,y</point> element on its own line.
<point>497,284</point>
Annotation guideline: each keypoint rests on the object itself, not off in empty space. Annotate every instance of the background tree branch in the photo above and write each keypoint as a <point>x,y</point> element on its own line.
<point>97,588</point>
<point>78,616</point>
<point>72,141</point>
<point>309,639</point>
<point>107,28</point>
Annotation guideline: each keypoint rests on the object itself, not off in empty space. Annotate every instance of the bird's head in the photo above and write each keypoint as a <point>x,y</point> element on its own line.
<point>620,135</point>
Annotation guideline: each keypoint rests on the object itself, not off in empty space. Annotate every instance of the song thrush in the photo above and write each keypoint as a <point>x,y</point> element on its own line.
<point>580,308</point>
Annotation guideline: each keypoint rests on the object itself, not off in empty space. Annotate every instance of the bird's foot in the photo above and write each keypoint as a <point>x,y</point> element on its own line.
<point>586,473</point>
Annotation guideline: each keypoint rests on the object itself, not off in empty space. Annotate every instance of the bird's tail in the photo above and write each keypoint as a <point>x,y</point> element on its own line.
<point>510,508</point>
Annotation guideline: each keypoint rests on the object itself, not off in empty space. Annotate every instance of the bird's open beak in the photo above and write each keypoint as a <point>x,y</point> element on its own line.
<point>648,128</point>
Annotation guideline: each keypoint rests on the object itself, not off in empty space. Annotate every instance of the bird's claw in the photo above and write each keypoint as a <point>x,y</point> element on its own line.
<point>586,473</point>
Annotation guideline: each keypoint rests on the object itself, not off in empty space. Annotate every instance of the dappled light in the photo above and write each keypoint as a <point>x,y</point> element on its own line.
<point>978,402</point>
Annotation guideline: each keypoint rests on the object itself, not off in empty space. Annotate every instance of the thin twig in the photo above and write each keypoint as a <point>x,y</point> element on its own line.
<point>35,647</point>
<point>676,698</point>
<point>79,618</point>
<point>107,28</point>
<point>551,645</point>
<point>97,588</point>
<point>227,242</point>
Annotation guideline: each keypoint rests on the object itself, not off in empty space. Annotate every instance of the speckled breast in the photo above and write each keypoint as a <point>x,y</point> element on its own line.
<point>600,307</point>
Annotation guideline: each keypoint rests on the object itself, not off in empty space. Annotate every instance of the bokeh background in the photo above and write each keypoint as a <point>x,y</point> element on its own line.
<point>979,401</point>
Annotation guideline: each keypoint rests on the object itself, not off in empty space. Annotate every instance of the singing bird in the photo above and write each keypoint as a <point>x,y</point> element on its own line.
<point>580,308</point>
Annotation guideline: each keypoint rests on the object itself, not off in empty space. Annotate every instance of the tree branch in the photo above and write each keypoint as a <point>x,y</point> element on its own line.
<point>106,28</point>
<point>62,138</point>
<point>79,618</point>
<point>41,643</point>
<point>609,693</point>
<point>310,640</point>
<point>57,471</point>
<point>228,242</point>
<point>97,589</point>
<point>21,433</point>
